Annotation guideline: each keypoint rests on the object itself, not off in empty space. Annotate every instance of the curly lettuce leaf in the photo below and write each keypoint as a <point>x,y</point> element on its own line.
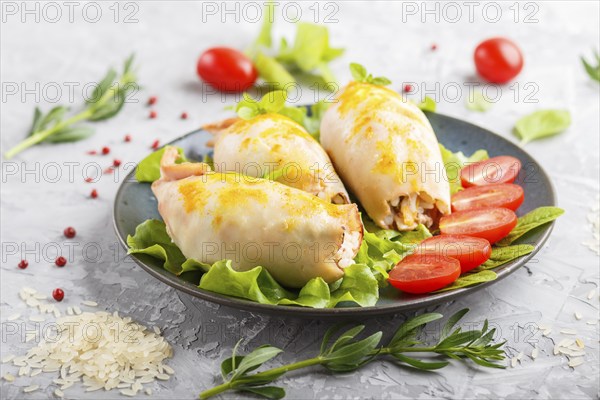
<point>148,170</point>
<point>454,162</point>
<point>358,286</point>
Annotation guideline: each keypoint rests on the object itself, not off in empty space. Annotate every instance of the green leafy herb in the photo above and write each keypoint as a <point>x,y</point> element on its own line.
<point>428,104</point>
<point>454,162</point>
<point>592,71</point>
<point>479,102</point>
<point>310,120</point>
<point>530,221</point>
<point>542,124</point>
<point>503,255</point>
<point>106,101</point>
<point>271,102</point>
<point>359,74</point>
<point>310,52</point>
<point>345,351</point>
<point>470,280</point>
<point>308,57</point>
<point>148,170</point>
<point>273,73</point>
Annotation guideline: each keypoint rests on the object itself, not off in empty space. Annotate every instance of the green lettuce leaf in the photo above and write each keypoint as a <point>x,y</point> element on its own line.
<point>148,170</point>
<point>454,162</point>
<point>360,284</point>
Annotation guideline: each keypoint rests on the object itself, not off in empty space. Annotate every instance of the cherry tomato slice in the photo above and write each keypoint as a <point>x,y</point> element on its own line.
<point>492,224</point>
<point>501,169</point>
<point>498,60</point>
<point>424,273</point>
<point>505,195</point>
<point>470,251</point>
<point>227,70</point>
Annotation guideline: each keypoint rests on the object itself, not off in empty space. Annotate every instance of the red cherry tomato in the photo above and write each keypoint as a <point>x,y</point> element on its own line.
<point>505,195</point>
<point>424,273</point>
<point>492,224</point>
<point>227,70</point>
<point>501,169</point>
<point>498,60</point>
<point>470,251</point>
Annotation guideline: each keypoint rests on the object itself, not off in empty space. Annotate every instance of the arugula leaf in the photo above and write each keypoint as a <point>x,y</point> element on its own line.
<point>148,170</point>
<point>479,102</point>
<point>428,104</point>
<point>530,221</point>
<point>454,162</point>
<point>503,255</point>
<point>359,73</point>
<point>542,124</point>
<point>592,71</point>
<point>470,280</point>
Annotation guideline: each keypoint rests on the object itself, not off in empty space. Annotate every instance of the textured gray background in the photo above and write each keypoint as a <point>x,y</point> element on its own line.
<point>167,39</point>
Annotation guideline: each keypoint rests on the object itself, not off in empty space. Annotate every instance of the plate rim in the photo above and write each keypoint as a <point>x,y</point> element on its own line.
<point>344,312</point>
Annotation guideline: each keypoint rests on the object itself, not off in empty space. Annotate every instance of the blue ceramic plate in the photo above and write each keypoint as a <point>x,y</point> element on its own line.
<point>134,203</point>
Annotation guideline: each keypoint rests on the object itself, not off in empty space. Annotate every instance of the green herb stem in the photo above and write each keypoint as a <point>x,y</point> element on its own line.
<point>273,371</point>
<point>41,136</point>
<point>82,116</point>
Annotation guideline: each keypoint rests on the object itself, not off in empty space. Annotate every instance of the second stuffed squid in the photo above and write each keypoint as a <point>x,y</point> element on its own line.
<point>388,155</point>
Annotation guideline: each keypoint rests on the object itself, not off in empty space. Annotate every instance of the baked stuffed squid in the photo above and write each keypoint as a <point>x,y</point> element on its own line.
<point>296,236</point>
<point>273,143</point>
<point>388,155</point>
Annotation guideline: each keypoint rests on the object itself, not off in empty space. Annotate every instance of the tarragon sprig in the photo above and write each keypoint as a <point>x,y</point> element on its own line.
<point>105,102</point>
<point>592,70</point>
<point>348,353</point>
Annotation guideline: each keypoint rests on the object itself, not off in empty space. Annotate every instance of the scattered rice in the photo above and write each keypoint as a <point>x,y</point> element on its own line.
<point>37,319</point>
<point>534,353</point>
<point>31,388</point>
<point>35,372</point>
<point>591,294</point>
<point>579,343</point>
<point>592,322</point>
<point>89,303</point>
<point>8,358</point>
<point>101,351</point>
<point>77,310</point>
<point>568,332</point>
<point>149,392</point>
<point>70,310</point>
<point>13,317</point>
<point>575,362</point>
<point>547,332</point>
<point>520,356</point>
<point>59,393</point>
<point>156,330</point>
<point>28,290</point>
<point>513,362</point>
<point>8,377</point>
<point>578,316</point>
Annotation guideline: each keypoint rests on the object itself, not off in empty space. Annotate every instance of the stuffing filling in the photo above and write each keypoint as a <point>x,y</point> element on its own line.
<point>345,254</point>
<point>409,211</point>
